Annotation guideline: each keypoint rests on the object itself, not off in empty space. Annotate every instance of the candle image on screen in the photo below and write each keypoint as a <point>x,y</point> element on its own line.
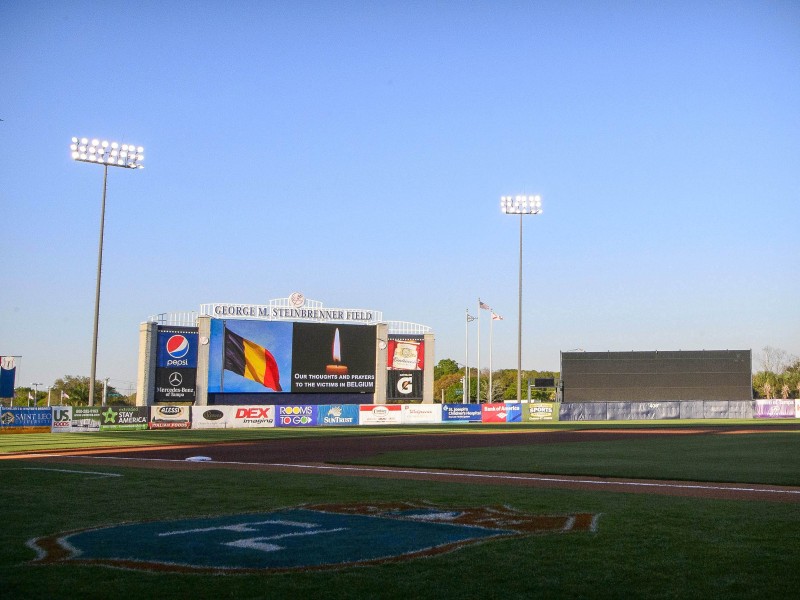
<point>337,368</point>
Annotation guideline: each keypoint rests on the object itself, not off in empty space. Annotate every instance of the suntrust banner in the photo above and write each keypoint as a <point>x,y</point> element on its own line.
<point>337,414</point>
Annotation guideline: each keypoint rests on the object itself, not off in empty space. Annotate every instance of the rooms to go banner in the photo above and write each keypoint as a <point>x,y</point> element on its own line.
<point>278,356</point>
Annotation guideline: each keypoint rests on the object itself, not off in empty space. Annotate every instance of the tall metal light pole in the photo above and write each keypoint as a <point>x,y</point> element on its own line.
<point>35,387</point>
<point>107,154</point>
<point>520,205</point>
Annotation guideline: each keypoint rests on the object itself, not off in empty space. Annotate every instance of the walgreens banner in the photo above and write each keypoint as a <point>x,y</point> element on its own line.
<point>414,414</point>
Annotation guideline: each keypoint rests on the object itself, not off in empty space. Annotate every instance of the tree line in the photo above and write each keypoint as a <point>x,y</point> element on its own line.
<point>70,391</point>
<point>449,382</point>
<point>779,376</point>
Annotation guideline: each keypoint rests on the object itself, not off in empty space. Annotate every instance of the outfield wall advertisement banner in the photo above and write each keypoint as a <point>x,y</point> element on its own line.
<point>540,411</point>
<point>170,417</point>
<point>248,356</point>
<point>380,414</point>
<point>212,417</point>
<point>501,412</point>
<point>62,419</point>
<point>337,414</point>
<point>26,420</point>
<point>418,414</point>
<point>85,419</point>
<point>775,409</point>
<point>461,413</point>
<point>297,416</point>
<point>124,418</point>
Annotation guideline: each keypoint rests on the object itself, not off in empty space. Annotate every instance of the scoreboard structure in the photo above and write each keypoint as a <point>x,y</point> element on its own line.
<point>290,351</point>
<point>655,376</point>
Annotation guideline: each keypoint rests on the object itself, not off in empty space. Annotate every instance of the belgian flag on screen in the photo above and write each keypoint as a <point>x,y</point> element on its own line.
<point>252,361</point>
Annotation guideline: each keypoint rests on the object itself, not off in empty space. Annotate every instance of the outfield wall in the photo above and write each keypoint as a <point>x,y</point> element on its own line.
<point>89,419</point>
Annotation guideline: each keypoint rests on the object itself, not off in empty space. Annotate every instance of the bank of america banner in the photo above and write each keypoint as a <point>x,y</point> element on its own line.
<point>277,356</point>
<point>8,371</point>
<point>176,364</point>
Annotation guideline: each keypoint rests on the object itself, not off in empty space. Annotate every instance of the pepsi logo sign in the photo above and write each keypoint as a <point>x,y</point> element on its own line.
<point>177,346</point>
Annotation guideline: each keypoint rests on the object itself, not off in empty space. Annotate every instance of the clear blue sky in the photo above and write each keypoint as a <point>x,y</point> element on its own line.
<point>357,152</point>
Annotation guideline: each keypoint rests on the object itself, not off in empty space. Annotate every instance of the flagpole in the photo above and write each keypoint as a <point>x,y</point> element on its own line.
<point>466,358</point>
<point>489,398</point>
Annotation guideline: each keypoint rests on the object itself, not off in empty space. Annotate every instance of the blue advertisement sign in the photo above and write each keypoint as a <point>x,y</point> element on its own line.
<point>296,415</point>
<point>177,347</point>
<point>461,413</point>
<point>27,420</point>
<point>337,414</point>
<point>513,412</point>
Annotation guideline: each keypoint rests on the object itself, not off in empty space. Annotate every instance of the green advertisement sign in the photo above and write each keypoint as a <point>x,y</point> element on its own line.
<point>540,411</point>
<point>85,419</point>
<point>123,418</point>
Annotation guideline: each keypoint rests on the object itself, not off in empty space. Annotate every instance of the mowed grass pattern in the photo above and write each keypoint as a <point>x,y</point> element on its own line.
<point>645,547</point>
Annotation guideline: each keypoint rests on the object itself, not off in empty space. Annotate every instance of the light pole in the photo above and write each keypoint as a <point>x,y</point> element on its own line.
<point>108,154</point>
<point>35,387</point>
<point>520,205</point>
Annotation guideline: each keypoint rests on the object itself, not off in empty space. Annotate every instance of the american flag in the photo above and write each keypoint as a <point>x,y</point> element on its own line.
<point>483,305</point>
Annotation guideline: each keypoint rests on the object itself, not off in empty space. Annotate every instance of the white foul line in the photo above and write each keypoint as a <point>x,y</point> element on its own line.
<point>99,473</point>
<point>679,486</point>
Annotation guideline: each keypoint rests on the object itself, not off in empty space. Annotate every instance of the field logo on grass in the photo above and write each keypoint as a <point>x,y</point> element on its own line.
<point>325,536</point>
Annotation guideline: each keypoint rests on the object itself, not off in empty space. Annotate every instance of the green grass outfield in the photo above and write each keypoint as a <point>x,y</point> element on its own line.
<point>646,546</point>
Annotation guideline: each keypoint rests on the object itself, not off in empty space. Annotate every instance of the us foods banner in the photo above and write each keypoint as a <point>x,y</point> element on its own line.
<point>280,356</point>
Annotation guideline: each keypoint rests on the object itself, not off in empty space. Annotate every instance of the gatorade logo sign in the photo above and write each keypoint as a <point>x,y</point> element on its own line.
<point>302,538</point>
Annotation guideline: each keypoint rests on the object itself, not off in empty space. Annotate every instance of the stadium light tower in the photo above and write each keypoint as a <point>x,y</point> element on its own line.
<point>520,205</point>
<point>107,154</point>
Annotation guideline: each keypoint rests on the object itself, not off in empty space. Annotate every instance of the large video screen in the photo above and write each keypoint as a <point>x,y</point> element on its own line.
<point>279,356</point>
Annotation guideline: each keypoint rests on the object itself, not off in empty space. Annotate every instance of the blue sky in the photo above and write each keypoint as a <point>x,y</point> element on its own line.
<point>357,152</point>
